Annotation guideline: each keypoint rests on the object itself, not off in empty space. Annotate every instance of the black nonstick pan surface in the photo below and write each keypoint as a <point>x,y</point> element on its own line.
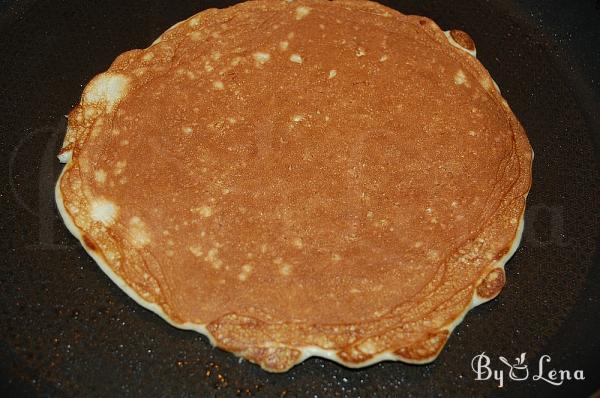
<point>66,330</point>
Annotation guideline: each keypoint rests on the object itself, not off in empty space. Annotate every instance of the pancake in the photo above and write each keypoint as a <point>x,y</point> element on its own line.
<point>296,179</point>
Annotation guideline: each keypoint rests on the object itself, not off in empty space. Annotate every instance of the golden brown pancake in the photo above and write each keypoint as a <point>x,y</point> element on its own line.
<point>300,178</point>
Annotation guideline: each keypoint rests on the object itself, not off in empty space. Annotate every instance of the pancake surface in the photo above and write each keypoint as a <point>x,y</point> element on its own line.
<point>300,178</point>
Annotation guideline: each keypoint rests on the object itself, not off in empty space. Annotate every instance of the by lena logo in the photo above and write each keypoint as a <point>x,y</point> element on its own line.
<point>519,370</point>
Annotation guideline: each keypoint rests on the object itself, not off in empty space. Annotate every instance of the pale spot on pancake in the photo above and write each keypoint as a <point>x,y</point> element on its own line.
<point>138,232</point>
<point>215,56</point>
<point>97,129</point>
<point>296,58</point>
<point>383,58</point>
<point>332,73</point>
<point>170,253</point>
<point>297,242</point>
<point>381,223</point>
<point>119,167</point>
<point>246,270</point>
<point>369,214</point>
<point>100,176</point>
<point>90,112</point>
<point>368,347</point>
<point>191,75</point>
<point>418,244</point>
<point>460,77</point>
<point>72,208</point>
<point>124,142</point>
<point>321,26</point>
<point>433,255</point>
<point>492,276</point>
<point>196,251</point>
<point>104,211</point>
<point>148,56</point>
<point>196,36</point>
<point>213,258</point>
<point>302,11</point>
<point>231,120</point>
<point>218,85</point>
<point>208,67</point>
<point>285,269</point>
<point>187,130</point>
<point>486,82</point>
<point>336,257</point>
<point>472,133</point>
<point>84,164</point>
<point>204,211</point>
<point>360,52</point>
<point>513,221</point>
<point>235,61</point>
<point>283,45</point>
<point>454,203</point>
<point>194,22</point>
<point>261,57</point>
<point>290,35</point>
<point>297,118</point>
<point>107,89</point>
<point>429,210</point>
<point>264,248</point>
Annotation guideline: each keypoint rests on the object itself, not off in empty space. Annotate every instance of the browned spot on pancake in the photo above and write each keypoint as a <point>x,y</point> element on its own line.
<point>463,39</point>
<point>425,349</point>
<point>273,359</point>
<point>501,253</point>
<point>492,284</point>
<point>89,243</point>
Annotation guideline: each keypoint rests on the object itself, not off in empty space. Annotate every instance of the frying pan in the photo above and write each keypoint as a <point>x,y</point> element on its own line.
<point>66,330</point>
